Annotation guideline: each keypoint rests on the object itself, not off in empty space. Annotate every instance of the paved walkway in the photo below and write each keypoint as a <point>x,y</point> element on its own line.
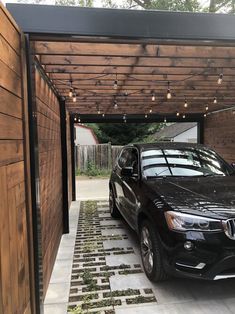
<point>107,276</point>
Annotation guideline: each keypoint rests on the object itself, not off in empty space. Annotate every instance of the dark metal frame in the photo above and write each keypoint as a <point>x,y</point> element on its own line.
<point>130,24</point>
<point>35,187</point>
<point>64,165</point>
<point>71,122</point>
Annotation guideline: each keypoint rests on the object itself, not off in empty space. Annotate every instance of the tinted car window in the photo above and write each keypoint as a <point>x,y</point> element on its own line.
<point>182,162</point>
<point>123,158</point>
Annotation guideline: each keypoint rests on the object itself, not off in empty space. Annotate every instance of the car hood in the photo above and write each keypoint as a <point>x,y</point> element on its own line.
<point>213,196</point>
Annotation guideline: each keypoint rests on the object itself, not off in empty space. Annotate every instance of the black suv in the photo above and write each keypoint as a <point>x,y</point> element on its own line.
<point>180,198</point>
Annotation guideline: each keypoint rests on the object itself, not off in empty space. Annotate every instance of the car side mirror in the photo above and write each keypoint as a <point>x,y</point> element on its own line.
<point>127,171</point>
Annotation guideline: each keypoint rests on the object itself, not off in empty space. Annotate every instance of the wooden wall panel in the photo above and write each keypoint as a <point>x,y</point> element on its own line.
<point>50,172</point>
<point>69,159</point>
<point>14,209</point>
<point>219,134</point>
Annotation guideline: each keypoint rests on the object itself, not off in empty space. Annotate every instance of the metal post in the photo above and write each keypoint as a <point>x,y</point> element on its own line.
<point>200,131</point>
<point>35,188</point>
<point>73,158</point>
<point>64,165</point>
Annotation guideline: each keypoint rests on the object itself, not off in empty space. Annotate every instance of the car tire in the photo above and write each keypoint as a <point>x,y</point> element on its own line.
<point>114,212</point>
<point>151,252</point>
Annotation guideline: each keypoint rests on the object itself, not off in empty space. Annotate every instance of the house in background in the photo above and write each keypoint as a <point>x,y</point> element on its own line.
<point>178,132</point>
<point>85,135</point>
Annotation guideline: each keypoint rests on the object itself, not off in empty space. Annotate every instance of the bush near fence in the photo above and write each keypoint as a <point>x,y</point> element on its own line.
<point>96,157</point>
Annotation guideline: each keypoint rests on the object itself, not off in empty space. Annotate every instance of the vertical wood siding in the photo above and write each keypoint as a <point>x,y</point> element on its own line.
<point>14,210</point>
<point>219,134</point>
<point>50,172</point>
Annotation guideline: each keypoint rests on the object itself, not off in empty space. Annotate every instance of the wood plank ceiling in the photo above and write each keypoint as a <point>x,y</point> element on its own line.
<point>143,72</point>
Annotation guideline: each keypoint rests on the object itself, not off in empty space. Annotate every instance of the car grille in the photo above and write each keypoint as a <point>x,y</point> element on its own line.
<point>229,228</point>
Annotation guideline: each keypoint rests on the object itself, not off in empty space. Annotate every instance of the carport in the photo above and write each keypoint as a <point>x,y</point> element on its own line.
<point>65,65</point>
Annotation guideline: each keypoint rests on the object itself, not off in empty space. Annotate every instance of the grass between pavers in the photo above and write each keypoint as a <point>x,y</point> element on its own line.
<point>90,290</point>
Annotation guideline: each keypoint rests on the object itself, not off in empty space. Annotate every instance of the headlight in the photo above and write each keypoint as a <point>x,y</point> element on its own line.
<point>186,222</point>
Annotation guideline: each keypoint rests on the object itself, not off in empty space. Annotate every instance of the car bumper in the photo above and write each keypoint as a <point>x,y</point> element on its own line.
<point>211,258</point>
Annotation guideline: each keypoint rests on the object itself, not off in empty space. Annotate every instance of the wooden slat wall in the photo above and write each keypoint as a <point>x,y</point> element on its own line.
<point>69,159</point>
<point>219,134</point>
<point>50,171</point>
<point>14,249</point>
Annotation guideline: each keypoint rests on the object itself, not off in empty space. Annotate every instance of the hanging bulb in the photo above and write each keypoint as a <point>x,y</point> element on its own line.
<point>124,120</point>
<point>183,116</point>
<point>146,116</point>
<point>165,120</point>
<point>79,120</point>
<point>215,100</point>
<point>103,115</point>
<point>75,119</point>
<point>168,95</point>
<point>153,97</point>
<point>115,84</point>
<point>115,104</point>
<point>205,115</point>
<point>220,79</point>
<point>206,107</point>
<point>71,92</point>
<point>177,114</point>
<point>74,97</point>
<point>98,111</point>
<point>185,104</point>
<point>150,110</point>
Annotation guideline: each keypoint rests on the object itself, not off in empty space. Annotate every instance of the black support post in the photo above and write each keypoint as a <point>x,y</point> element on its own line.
<point>35,187</point>
<point>73,158</point>
<point>200,131</point>
<point>64,166</point>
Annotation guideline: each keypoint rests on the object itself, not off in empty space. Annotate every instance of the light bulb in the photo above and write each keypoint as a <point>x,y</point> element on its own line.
<point>75,119</point>
<point>153,97</point>
<point>183,116</point>
<point>71,92</point>
<point>204,115</point>
<point>98,111</point>
<point>177,114</point>
<point>168,95</point>
<point>115,84</point>
<point>206,108</point>
<point>79,120</point>
<point>146,116</point>
<point>165,119</point>
<point>74,97</point>
<point>150,110</point>
<point>220,79</point>
<point>103,115</point>
<point>185,104</point>
<point>215,100</point>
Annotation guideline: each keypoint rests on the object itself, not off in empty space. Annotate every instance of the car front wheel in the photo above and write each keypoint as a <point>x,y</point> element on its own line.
<point>114,212</point>
<point>151,253</point>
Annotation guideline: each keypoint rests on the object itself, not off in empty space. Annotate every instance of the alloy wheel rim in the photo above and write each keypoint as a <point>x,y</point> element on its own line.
<point>147,250</point>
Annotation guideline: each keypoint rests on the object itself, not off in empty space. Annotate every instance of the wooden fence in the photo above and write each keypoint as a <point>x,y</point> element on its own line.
<point>102,156</point>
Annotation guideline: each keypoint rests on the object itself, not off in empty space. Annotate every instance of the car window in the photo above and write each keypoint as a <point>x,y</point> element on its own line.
<point>123,158</point>
<point>129,158</point>
<point>182,162</point>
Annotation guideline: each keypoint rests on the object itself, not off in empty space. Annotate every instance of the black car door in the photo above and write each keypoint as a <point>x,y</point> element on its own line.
<point>131,187</point>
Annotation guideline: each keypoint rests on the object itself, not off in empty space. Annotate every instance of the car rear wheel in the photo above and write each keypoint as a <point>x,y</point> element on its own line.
<point>151,253</point>
<point>112,205</point>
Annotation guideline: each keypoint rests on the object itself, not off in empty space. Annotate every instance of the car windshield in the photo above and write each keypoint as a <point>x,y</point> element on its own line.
<point>182,162</point>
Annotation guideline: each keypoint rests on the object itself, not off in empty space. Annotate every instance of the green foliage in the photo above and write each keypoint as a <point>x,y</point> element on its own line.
<point>125,133</point>
<point>75,310</point>
<point>92,171</point>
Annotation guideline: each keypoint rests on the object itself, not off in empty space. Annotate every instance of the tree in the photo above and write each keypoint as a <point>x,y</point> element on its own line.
<point>226,6</point>
<point>124,133</point>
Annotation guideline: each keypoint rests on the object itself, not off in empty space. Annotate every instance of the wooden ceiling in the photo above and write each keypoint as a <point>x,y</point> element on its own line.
<point>140,69</point>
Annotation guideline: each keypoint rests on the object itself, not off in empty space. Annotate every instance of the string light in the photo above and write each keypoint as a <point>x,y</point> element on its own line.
<point>206,107</point>
<point>185,104</point>
<point>146,116</point>
<point>168,95</point>
<point>115,104</point>
<point>215,100</point>
<point>220,79</point>
<point>205,115</point>
<point>79,120</point>
<point>98,111</point>
<point>153,97</point>
<point>103,115</point>
<point>71,92</point>
<point>150,110</point>
<point>115,84</point>
<point>177,114</point>
<point>74,97</point>
<point>75,119</point>
<point>165,120</point>
<point>183,116</point>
